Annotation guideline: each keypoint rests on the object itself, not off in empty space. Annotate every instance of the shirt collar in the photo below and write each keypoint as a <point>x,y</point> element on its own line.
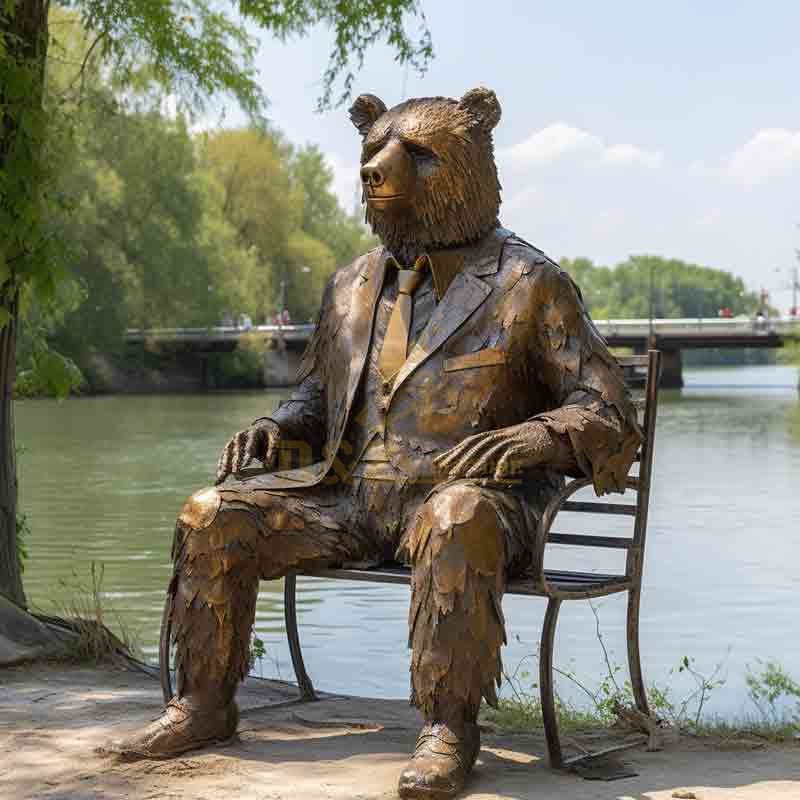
<point>445,265</point>
<point>480,258</point>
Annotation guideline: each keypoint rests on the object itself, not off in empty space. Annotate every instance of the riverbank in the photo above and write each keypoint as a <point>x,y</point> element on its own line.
<point>55,717</point>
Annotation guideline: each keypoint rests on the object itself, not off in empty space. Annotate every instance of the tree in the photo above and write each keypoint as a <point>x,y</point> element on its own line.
<point>679,289</point>
<point>323,218</point>
<point>172,229</point>
<point>282,206</point>
<point>258,201</point>
<point>197,50</point>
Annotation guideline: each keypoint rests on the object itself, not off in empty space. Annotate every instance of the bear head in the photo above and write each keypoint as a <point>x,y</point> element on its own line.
<point>428,172</point>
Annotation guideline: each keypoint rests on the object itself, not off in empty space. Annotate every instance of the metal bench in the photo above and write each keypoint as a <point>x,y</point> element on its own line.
<point>555,585</point>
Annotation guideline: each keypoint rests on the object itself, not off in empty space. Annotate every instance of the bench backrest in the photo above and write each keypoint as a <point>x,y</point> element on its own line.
<point>652,363</point>
<point>647,407</point>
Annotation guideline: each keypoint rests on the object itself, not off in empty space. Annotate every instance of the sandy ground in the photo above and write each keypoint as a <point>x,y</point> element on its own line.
<point>52,719</point>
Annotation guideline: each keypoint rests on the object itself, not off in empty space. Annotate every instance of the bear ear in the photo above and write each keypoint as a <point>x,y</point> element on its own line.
<point>483,105</point>
<point>364,111</point>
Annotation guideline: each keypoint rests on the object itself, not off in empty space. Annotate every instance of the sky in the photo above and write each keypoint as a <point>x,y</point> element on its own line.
<point>628,128</point>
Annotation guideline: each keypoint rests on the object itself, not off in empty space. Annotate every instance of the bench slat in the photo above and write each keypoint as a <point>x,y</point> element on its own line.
<point>520,586</point>
<point>589,541</point>
<point>396,574</point>
<point>567,576</point>
<point>633,361</point>
<point>600,508</point>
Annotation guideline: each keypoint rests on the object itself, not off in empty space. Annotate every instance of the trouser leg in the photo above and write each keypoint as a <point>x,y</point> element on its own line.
<point>459,545</point>
<point>223,545</point>
<point>221,550</point>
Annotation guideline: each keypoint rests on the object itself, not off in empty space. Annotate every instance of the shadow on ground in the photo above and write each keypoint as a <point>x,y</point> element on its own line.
<point>54,717</point>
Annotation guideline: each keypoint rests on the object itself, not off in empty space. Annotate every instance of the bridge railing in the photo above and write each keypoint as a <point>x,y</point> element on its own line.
<point>788,326</point>
<point>782,326</point>
<point>218,332</point>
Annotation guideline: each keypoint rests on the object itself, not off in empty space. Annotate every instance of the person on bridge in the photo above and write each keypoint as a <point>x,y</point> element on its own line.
<point>453,378</point>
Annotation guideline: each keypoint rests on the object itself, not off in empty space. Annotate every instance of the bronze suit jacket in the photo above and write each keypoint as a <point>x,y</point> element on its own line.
<point>509,341</point>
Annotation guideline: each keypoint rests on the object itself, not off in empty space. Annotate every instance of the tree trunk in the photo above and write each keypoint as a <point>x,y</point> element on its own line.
<point>23,30</point>
<point>10,572</point>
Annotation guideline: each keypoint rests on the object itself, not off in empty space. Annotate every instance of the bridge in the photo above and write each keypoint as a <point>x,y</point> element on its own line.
<point>285,343</point>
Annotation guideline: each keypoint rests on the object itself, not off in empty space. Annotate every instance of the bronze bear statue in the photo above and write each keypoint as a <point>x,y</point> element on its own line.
<point>454,378</point>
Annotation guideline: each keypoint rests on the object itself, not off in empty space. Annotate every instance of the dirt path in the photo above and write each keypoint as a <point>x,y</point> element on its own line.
<point>52,718</point>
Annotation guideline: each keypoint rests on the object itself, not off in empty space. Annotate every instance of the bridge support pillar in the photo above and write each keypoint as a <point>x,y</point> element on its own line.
<point>671,365</point>
<point>672,370</point>
<point>280,364</point>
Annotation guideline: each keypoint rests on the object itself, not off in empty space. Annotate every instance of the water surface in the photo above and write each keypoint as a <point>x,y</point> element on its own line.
<point>103,478</point>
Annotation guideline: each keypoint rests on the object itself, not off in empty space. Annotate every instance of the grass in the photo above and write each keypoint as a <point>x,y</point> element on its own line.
<point>86,616</point>
<point>775,696</point>
<point>789,354</point>
<point>513,716</point>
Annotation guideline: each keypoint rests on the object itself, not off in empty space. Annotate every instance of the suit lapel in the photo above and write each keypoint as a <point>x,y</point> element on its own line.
<point>364,303</point>
<point>465,294</point>
<point>366,292</point>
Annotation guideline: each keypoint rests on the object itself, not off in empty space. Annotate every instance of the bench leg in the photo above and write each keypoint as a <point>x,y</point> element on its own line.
<point>634,658</point>
<point>164,648</point>
<point>290,614</point>
<point>547,686</point>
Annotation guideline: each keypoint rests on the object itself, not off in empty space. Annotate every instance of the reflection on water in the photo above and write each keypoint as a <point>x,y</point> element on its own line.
<point>103,478</point>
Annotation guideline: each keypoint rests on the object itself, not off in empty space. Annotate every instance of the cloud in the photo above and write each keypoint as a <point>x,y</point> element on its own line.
<point>630,154</point>
<point>771,152</point>
<point>551,144</point>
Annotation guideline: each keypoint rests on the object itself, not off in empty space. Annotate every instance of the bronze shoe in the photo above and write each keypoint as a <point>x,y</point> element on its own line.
<point>181,727</point>
<point>441,762</point>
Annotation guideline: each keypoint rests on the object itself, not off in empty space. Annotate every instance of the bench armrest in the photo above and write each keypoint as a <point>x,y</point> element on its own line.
<point>546,523</point>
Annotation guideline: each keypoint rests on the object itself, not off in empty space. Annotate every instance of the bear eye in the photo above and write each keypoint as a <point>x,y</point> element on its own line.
<point>371,150</point>
<point>419,153</point>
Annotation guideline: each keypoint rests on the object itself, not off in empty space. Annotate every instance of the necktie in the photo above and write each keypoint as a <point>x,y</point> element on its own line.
<point>395,343</point>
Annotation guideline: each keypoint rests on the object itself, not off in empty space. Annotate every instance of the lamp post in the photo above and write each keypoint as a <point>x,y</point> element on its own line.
<point>282,301</point>
<point>305,269</point>
<point>651,334</point>
<point>794,285</point>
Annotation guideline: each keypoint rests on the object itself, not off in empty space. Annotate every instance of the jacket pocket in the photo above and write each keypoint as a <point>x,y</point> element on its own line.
<point>487,357</point>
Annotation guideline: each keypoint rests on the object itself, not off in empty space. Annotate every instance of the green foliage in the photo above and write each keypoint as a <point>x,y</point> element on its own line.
<point>793,419</point>
<point>88,615</point>
<point>146,241</point>
<point>28,257</point>
<point>167,229</point>
<point>356,25</point>
<point>256,652</point>
<point>48,373</point>
<point>282,206</point>
<point>789,354</point>
<point>241,369</point>
<point>773,692</point>
<point>322,217</point>
<point>23,531</point>
<point>679,289</point>
<point>191,50</point>
<point>610,699</point>
<point>200,49</point>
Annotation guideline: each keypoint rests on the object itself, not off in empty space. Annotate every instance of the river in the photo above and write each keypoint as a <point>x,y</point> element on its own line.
<point>102,479</point>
